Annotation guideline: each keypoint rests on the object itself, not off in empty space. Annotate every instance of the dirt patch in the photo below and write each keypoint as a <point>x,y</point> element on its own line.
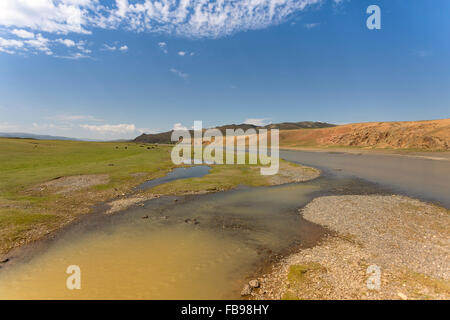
<point>68,184</point>
<point>407,239</point>
<point>122,204</point>
<point>289,173</point>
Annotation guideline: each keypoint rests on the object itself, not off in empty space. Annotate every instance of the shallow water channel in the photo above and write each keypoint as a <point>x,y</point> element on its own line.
<point>198,247</point>
<point>176,174</point>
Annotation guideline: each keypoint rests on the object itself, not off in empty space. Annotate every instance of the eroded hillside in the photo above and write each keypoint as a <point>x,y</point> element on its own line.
<point>425,135</point>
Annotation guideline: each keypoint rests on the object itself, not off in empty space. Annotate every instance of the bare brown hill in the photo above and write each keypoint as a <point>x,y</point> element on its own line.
<point>430,135</point>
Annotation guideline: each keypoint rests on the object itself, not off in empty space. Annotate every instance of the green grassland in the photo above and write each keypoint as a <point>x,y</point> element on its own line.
<point>28,211</point>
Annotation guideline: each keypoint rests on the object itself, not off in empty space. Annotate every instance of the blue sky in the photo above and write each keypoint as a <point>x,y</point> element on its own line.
<point>115,69</point>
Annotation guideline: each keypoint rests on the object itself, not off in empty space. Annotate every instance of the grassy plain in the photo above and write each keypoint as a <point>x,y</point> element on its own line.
<point>46,184</point>
<point>29,210</point>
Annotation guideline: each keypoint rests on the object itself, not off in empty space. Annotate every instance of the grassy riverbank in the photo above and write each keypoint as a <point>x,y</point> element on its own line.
<point>47,184</point>
<point>35,197</point>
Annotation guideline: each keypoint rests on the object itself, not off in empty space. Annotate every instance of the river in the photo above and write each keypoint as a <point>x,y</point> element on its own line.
<point>421,178</point>
<point>206,246</point>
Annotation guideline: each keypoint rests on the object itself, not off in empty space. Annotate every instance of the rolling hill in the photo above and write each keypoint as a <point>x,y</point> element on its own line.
<point>164,137</point>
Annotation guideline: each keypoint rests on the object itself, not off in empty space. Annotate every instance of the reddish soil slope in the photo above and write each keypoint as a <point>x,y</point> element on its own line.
<point>430,135</point>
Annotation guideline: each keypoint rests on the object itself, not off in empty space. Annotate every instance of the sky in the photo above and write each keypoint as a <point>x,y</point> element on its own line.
<point>116,69</point>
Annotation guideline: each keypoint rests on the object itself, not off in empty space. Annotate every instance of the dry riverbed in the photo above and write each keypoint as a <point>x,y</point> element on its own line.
<point>407,239</point>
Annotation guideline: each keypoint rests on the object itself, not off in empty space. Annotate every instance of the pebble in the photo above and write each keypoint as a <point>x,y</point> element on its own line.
<point>369,230</point>
<point>246,291</point>
<point>402,296</point>
<point>254,283</point>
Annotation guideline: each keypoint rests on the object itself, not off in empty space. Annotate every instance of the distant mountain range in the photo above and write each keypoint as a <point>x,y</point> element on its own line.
<point>165,137</point>
<point>429,135</point>
<point>23,135</point>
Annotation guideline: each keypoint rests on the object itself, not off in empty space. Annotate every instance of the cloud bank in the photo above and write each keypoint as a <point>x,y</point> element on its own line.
<point>115,129</point>
<point>257,121</point>
<point>24,20</point>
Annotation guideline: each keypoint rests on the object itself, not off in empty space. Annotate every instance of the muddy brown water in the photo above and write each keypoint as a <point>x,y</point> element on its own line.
<point>198,247</point>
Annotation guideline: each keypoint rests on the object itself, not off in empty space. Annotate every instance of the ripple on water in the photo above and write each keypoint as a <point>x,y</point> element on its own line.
<point>127,257</point>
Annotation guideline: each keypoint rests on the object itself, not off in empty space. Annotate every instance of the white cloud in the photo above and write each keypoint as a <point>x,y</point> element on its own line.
<point>147,130</point>
<point>5,126</point>
<point>179,126</point>
<point>109,48</point>
<point>115,129</point>
<point>186,18</point>
<point>34,128</point>
<point>68,129</point>
<point>122,48</point>
<point>74,118</point>
<point>163,47</point>
<point>62,16</point>
<point>311,25</point>
<point>179,73</point>
<point>23,33</point>
<point>6,50</point>
<point>74,56</point>
<point>200,18</point>
<point>10,43</point>
<point>257,121</point>
<point>81,46</point>
<point>48,126</point>
<point>184,53</point>
<point>67,42</point>
<point>40,44</point>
